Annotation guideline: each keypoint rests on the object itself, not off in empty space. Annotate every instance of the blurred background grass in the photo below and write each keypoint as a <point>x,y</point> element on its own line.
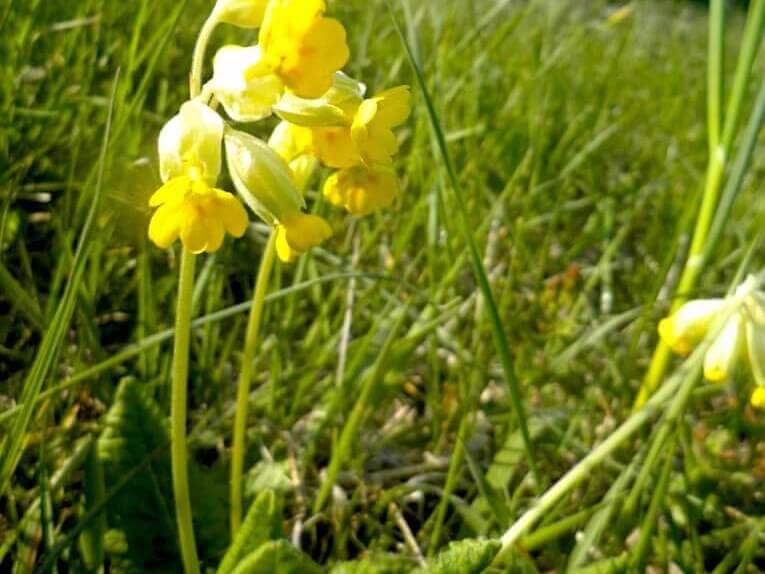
<point>578,131</point>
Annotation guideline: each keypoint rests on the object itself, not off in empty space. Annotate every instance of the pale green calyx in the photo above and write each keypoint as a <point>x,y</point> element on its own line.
<point>335,108</point>
<point>261,177</point>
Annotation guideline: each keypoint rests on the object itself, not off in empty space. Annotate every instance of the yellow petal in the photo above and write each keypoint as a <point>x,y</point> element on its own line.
<point>171,192</point>
<point>283,249</point>
<point>165,226</point>
<point>758,398</point>
<point>393,106</point>
<point>335,148</point>
<point>215,234</point>
<point>231,213</point>
<point>194,232</point>
<point>302,46</point>
<point>304,230</point>
<point>361,190</point>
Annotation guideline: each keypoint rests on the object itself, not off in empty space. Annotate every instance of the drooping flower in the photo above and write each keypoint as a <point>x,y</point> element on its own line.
<point>188,205</point>
<point>362,190</point>
<point>683,330</point>
<point>298,232</point>
<point>247,96</point>
<point>737,325</point>
<point>242,13</point>
<point>265,182</point>
<point>301,46</point>
<point>373,123</point>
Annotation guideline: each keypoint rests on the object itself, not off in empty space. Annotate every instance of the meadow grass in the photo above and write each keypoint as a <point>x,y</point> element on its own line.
<point>380,411</point>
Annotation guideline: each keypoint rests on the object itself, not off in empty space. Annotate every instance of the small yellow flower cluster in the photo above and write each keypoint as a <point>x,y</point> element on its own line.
<point>738,324</point>
<point>294,72</point>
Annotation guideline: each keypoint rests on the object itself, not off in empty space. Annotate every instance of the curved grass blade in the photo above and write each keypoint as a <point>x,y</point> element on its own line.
<point>498,331</point>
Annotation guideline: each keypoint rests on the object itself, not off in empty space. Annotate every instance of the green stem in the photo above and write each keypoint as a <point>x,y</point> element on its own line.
<point>180,375</point>
<point>243,386</point>
<point>584,469</point>
<point>198,61</point>
<point>720,148</point>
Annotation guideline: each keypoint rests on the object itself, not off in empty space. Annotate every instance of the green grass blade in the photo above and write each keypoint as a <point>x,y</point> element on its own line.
<point>48,351</point>
<point>715,75</point>
<point>498,331</point>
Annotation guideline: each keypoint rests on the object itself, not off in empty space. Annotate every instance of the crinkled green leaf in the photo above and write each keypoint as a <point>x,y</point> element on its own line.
<point>143,511</point>
<point>277,557</point>
<point>376,564</point>
<point>465,556</point>
<point>261,524</point>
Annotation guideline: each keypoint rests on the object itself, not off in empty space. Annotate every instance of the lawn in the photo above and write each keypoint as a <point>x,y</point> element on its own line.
<point>426,379</point>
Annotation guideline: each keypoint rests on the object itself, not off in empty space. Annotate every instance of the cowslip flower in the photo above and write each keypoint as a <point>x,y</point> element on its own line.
<point>362,190</point>
<point>685,329</point>
<point>265,182</point>
<point>246,96</point>
<point>302,47</point>
<point>740,336</point>
<point>351,131</point>
<point>188,205</point>
<point>373,123</point>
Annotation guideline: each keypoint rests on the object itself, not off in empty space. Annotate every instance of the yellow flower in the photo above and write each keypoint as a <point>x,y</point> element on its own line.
<point>263,179</point>
<point>198,213</point>
<point>335,148</point>
<point>191,141</point>
<point>242,13</point>
<point>299,232</point>
<point>295,146</point>
<point>725,349</point>
<point>242,84</point>
<point>685,328</point>
<point>362,190</point>
<point>188,204</point>
<point>373,123</point>
<point>301,46</point>
<point>758,398</point>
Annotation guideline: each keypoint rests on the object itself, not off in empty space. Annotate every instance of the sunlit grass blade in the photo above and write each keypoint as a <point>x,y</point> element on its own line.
<point>497,329</point>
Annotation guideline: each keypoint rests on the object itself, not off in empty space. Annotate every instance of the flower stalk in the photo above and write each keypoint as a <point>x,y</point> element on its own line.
<point>245,377</point>
<point>180,372</point>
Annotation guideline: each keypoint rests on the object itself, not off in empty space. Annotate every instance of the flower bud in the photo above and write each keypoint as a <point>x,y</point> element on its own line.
<point>335,108</point>
<point>261,177</point>
<point>190,144</point>
<point>242,13</point>
<point>246,89</point>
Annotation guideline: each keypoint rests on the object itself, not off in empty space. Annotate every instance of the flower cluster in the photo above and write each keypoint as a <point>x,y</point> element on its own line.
<point>294,73</point>
<point>737,324</point>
